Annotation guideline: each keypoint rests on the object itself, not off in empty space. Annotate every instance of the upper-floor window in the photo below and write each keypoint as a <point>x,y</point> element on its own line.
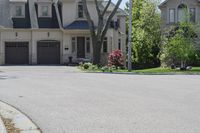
<point>171,15</point>
<point>80,10</point>
<point>182,13</point>
<point>192,15</point>
<point>19,11</point>
<point>44,10</point>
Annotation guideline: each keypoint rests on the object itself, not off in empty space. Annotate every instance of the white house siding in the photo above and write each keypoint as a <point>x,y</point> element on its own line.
<point>169,4</point>
<point>10,36</point>
<point>69,9</point>
<point>33,36</point>
<point>39,35</point>
<point>69,15</point>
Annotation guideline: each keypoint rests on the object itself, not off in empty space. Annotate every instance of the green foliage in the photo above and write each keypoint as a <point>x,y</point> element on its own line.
<point>180,46</point>
<point>146,34</point>
<point>89,66</point>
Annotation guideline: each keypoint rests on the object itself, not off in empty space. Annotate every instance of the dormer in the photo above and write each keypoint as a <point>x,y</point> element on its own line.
<point>80,11</point>
<point>17,8</point>
<point>44,8</point>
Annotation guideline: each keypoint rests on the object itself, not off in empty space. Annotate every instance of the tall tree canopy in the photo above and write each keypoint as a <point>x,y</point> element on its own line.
<point>146,34</point>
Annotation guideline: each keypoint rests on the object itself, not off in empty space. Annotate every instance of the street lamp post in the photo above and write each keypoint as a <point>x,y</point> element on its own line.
<point>130,36</point>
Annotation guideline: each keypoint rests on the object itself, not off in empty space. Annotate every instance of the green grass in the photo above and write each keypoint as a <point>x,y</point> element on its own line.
<point>195,70</point>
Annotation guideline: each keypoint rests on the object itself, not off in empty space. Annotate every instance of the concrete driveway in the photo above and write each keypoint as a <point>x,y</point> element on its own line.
<point>63,100</point>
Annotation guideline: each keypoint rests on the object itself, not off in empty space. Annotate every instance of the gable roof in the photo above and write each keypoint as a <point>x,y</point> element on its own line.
<point>164,2</point>
<point>111,7</point>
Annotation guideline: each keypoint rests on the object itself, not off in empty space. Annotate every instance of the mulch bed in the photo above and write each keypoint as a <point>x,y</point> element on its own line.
<point>10,126</point>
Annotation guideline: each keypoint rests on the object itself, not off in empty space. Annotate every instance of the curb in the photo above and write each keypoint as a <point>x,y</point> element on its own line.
<point>19,119</point>
<point>2,127</point>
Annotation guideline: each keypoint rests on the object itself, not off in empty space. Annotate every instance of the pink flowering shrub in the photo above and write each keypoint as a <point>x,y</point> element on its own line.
<point>116,59</point>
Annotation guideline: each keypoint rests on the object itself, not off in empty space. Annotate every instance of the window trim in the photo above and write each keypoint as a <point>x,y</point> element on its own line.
<point>178,7</point>
<point>77,11</point>
<point>194,14</point>
<point>174,16</point>
<point>105,39</point>
<point>49,5</point>
<point>74,50</point>
<point>23,11</point>
<point>120,44</point>
<point>86,44</point>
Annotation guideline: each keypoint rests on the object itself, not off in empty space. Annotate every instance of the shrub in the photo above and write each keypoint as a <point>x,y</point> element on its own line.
<point>116,59</point>
<point>89,66</point>
<point>86,65</point>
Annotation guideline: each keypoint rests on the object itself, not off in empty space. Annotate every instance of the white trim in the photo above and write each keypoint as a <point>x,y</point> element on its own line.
<point>14,8</point>
<point>49,5</point>
<point>77,13</point>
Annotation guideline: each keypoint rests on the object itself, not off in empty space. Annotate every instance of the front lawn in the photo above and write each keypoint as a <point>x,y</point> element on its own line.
<point>159,70</point>
<point>194,70</point>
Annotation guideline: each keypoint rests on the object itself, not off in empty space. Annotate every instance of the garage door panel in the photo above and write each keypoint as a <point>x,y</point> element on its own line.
<point>48,52</point>
<point>16,53</point>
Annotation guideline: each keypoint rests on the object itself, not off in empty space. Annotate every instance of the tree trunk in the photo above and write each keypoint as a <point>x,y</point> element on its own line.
<point>183,65</point>
<point>96,51</point>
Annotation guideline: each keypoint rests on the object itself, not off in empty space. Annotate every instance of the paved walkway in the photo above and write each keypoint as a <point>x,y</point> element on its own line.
<point>62,100</point>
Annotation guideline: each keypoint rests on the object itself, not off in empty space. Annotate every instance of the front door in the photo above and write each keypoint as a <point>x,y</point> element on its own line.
<point>80,47</point>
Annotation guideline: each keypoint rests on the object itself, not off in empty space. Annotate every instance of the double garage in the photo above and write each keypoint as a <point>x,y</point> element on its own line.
<point>17,53</point>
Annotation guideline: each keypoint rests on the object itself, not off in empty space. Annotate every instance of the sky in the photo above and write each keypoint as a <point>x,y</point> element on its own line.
<point>122,4</point>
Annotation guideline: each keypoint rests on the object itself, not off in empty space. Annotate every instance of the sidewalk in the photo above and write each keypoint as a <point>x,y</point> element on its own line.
<point>20,120</point>
<point>2,127</point>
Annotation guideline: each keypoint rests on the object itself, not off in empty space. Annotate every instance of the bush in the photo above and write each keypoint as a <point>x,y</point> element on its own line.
<point>88,66</point>
<point>116,59</point>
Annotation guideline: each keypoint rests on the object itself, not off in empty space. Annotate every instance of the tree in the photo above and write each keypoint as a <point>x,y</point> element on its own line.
<point>180,45</point>
<point>98,33</point>
<point>146,34</point>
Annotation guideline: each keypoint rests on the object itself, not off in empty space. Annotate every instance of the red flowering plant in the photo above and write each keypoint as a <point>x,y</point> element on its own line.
<point>116,59</point>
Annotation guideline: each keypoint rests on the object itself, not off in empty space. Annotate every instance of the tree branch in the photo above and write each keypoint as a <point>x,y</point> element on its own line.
<point>105,29</point>
<point>106,8</point>
<point>97,7</point>
<point>90,21</point>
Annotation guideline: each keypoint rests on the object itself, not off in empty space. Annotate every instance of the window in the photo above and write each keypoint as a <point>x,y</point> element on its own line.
<point>105,45</point>
<point>19,11</point>
<point>73,44</point>
<point>192,15</point>
<point>87,44</point>
<point>119,44</point>
<point>44,11</point>
<point>80,10</point>
<point>182,13</point>
<point>171,15</point>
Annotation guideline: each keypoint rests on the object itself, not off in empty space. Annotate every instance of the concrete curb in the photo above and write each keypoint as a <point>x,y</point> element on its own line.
<point>2,127</point>
<point>20,120</point>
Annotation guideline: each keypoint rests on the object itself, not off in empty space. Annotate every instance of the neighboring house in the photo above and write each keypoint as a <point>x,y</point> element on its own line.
<point>53,31</point>
<point>174,11</point>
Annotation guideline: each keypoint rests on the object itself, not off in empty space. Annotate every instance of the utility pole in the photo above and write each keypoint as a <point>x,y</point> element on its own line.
<point>130,36</point>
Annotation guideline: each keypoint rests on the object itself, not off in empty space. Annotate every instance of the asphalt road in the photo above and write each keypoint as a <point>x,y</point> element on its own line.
<point>63,100</point>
